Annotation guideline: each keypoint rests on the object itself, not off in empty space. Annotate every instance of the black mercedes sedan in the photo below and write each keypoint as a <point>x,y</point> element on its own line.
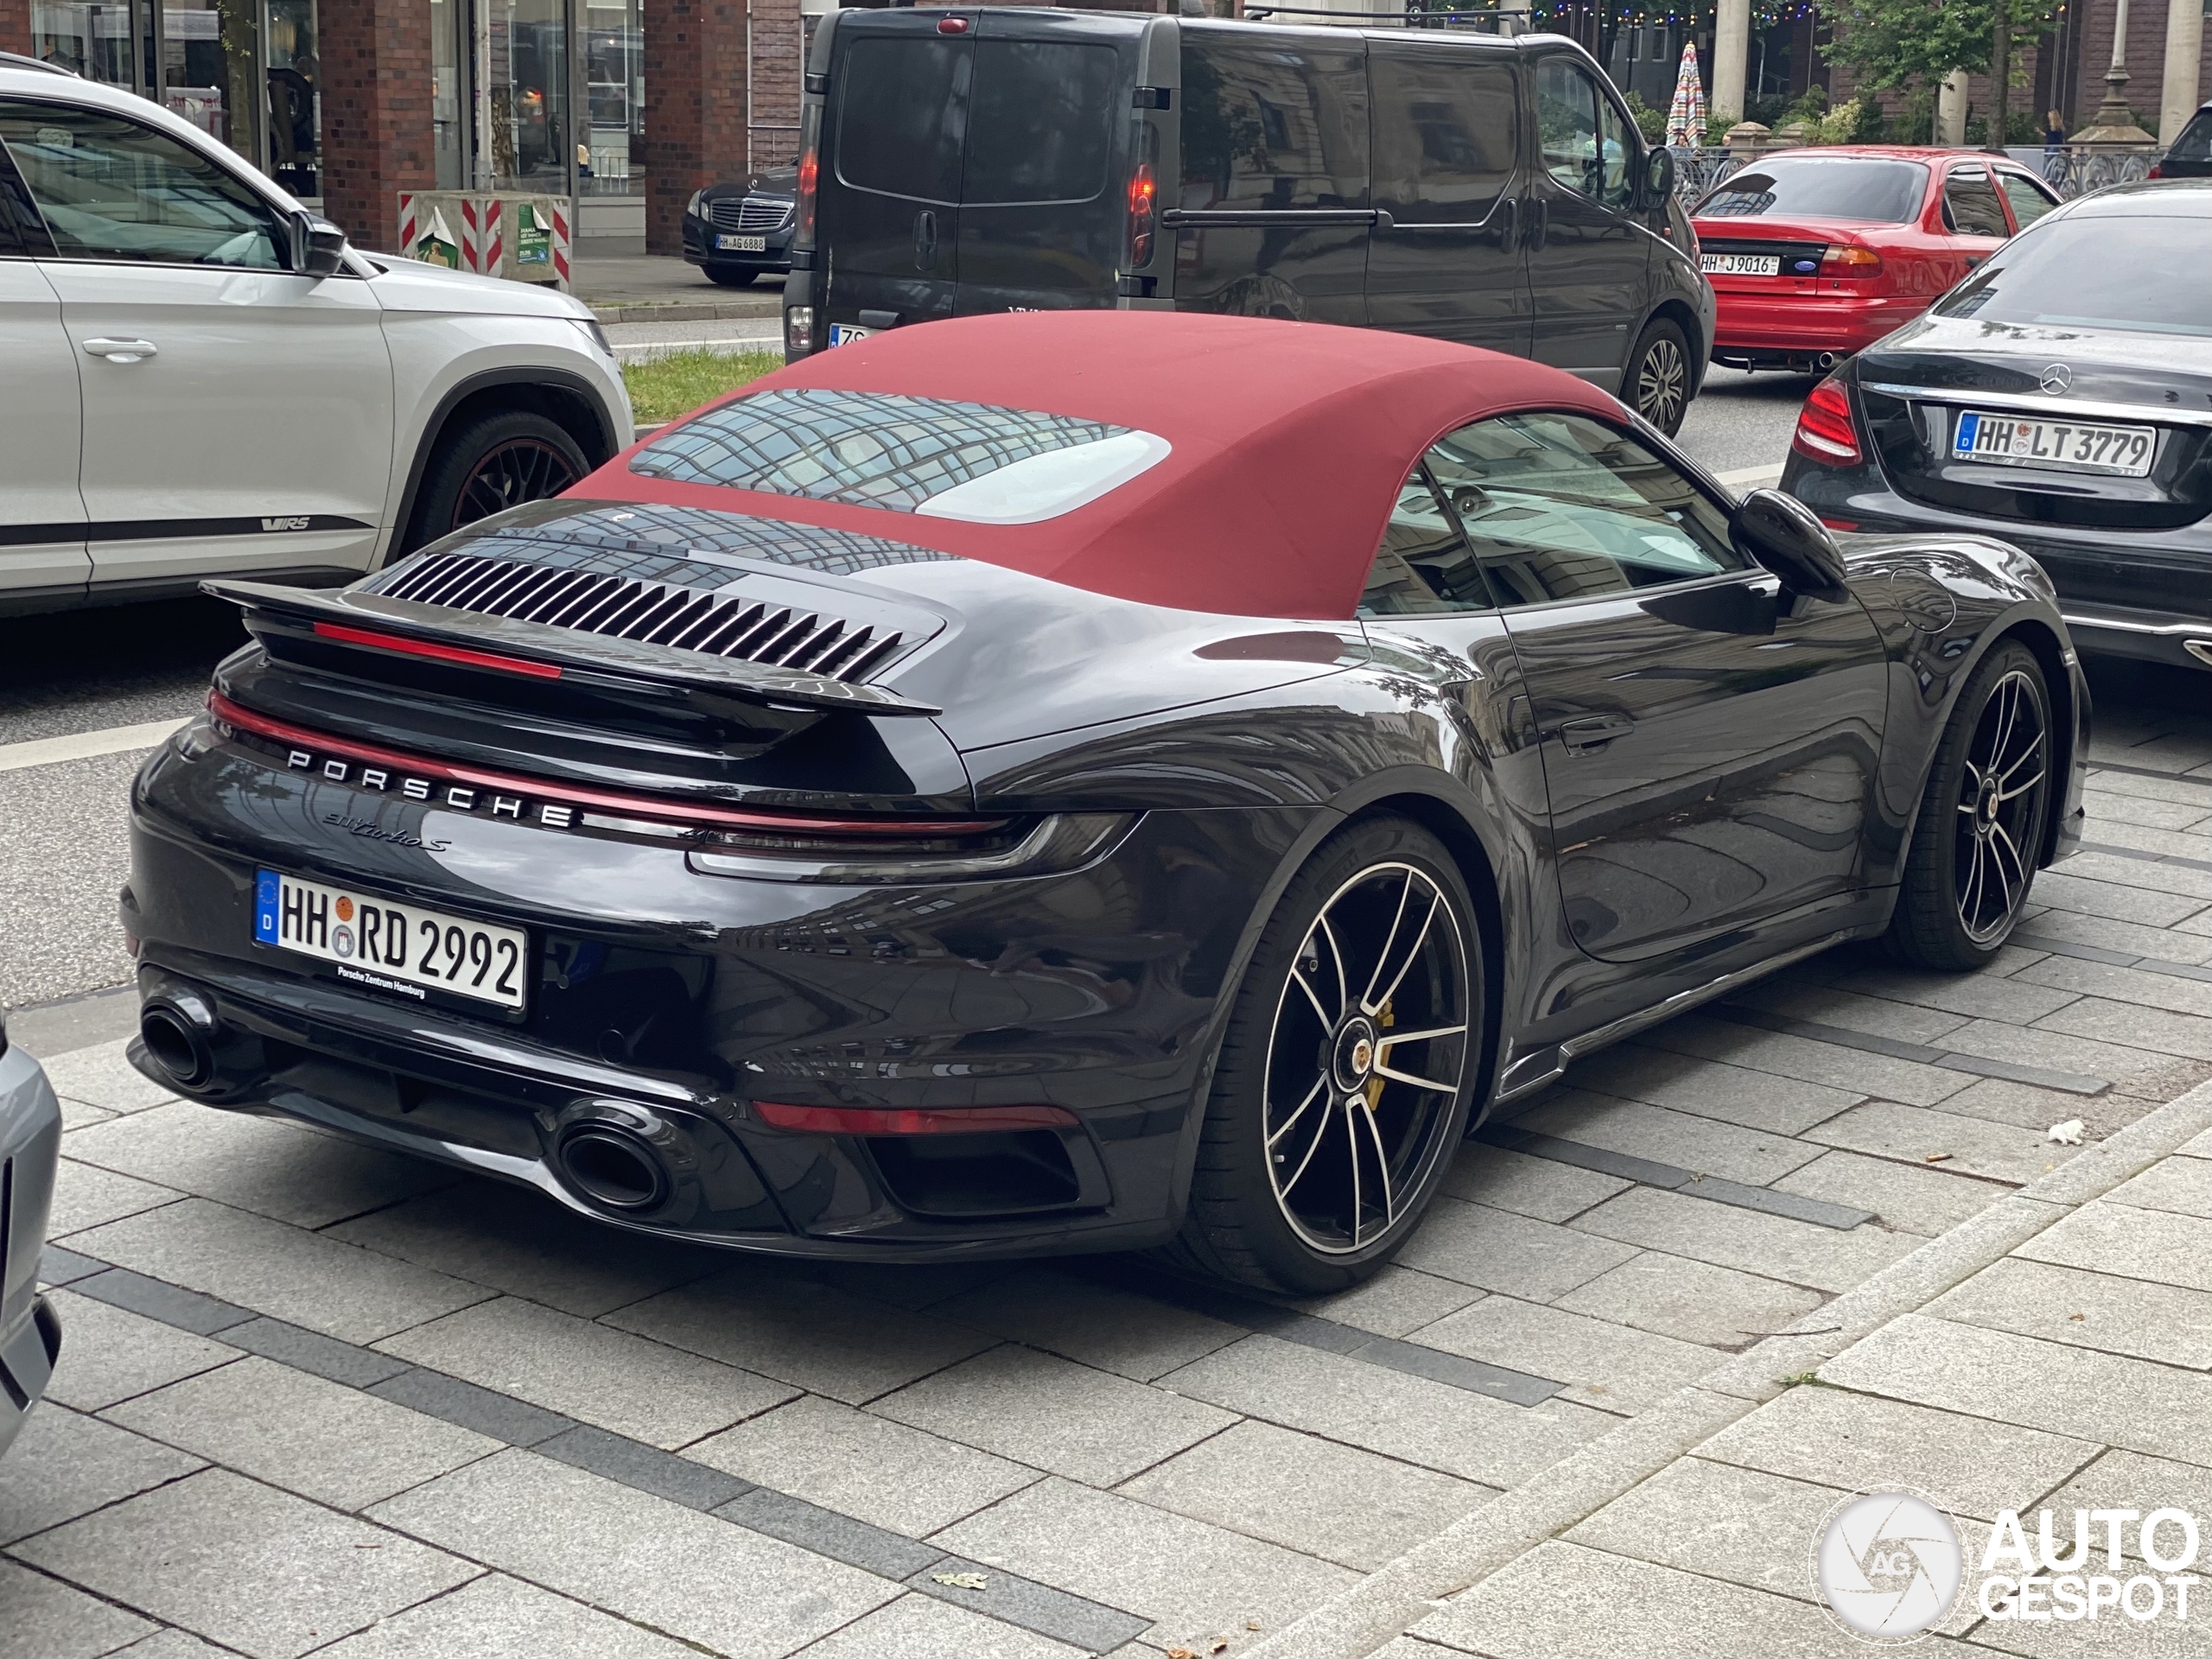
<point>742,230</point>
<point>2060,398</point>
<point>1076,781</point>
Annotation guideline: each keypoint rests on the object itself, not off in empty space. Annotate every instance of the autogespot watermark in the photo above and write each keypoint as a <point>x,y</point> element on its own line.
<point>1890,1565</point>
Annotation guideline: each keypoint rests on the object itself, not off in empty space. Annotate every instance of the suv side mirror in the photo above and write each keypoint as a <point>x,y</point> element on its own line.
<point>1659,177</point>
<point>1785,535</point>
<point>318,246</point>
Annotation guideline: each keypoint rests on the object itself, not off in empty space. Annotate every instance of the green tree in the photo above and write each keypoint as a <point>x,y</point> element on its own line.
<point>1913,44</point>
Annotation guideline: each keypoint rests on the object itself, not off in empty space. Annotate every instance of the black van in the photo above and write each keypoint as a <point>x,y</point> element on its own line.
<point>1470,187</point>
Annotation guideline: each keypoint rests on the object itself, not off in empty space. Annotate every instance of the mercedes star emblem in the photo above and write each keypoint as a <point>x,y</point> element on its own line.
<point>2057,378</point>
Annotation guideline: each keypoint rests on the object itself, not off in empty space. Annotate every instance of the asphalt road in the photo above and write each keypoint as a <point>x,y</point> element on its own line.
<point>63,849</point>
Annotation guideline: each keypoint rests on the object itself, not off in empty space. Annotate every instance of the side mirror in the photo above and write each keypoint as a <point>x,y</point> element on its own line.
<point>1785,537</point>
<point>1659,177</point>
<point>318,246</point>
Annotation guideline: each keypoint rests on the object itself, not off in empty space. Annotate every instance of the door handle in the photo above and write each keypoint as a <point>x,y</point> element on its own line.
<point>122,351</point>
<point>926,240</point>
<point>1508,229</point>
<point>1539,222</point>
<point>1580,736</point>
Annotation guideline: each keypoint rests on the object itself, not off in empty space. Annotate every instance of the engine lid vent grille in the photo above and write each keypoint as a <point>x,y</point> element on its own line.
<point>652,612</point>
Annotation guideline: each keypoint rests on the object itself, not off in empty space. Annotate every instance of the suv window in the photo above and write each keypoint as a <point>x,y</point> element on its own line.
<point>903,115</point>
<point>1583,140</point>
<point>2029,200</point>
<point>1970,205</point>
<point>1042,123</point>
<point>109,188</point>
<point>1270,122</point>
<point>1557,507</point>
<point>1444,133</point>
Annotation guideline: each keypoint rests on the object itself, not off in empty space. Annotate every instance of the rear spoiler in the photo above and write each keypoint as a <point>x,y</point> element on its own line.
<point>550,650</point>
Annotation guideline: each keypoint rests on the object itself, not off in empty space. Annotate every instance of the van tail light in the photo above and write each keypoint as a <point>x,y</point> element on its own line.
<point>810,169</point>
<point>2156,172</point>
<point>1144,194</point>
<point>1849,259</point>
<point>1826,432</point>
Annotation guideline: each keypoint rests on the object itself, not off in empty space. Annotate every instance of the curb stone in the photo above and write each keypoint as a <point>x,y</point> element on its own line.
<point>1383,1606</point>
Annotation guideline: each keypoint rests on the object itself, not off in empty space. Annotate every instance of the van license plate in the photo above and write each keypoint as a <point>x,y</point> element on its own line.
<point>742,244</point>
<point>1740,264</point>
<point>844,333</point>
<point>2058,446</point>
<point>391,947</point>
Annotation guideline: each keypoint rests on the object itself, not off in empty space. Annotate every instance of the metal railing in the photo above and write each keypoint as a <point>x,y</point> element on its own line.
<point>2071,169</point>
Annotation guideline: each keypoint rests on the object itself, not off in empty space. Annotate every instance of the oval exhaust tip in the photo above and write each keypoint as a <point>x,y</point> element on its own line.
<point>611,1167</point>
<point>177,1045</point>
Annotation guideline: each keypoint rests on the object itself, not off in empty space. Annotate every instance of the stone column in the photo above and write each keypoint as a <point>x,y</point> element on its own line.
<point>377,135</point>
<point>2184,51</point>
<point>1951,109</point>
<point>1732,46</point>
<point>2113,123</point>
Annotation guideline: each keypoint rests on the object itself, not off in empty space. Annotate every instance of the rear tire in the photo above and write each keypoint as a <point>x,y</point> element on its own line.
<point>489,464</point>
<point>1660,382</point>
<point>1374,942</point>
<point>729,276</point>
<point>1981,821</point>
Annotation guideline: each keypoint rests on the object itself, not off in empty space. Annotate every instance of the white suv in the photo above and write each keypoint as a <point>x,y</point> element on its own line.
<point>198,376</point>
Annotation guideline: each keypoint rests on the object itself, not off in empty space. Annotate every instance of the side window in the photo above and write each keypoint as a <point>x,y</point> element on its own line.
<point>1559,507</point>
<point>1568,136</point>
<point>1617,150</point>
<point>1970,205</point>
<point>2030,201</point>
<point>1423,565</point>
<point>1446,131</point>
<point>109,188</point>
<point>903,113</point>
<point>1268,123</point>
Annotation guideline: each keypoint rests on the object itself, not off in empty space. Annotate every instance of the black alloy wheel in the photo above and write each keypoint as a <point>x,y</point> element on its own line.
<point>1982,819</point>
<point>1344,1083</point>
<point>492,463</point>
<point>1659,376</point>
<point>512,472</point>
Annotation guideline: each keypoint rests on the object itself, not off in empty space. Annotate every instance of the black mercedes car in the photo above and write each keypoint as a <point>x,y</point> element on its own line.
<point>1076,781</point>
<point>742,230</point>
<point>2060,398</point>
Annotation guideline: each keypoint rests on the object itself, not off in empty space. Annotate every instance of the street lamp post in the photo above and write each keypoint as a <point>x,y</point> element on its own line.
<point>2115,121</point>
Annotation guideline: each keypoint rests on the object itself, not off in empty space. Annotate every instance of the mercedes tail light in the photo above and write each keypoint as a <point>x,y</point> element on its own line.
<point>1144,195</point>
<point>1826,432</point>
<point>1849,259</point>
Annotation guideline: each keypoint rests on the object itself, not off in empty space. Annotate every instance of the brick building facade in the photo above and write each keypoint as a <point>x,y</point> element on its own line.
<point>721,83</point>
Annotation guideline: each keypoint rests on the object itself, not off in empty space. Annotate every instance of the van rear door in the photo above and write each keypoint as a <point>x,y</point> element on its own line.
<point>1446,258</point>
<point>889,200</point>
<point>1042,218</point>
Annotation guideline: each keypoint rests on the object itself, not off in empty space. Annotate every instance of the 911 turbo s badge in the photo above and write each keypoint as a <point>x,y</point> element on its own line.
<point>458,798</point>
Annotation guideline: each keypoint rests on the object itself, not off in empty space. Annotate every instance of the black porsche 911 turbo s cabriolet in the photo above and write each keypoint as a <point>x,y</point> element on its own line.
<point>1080,781</point>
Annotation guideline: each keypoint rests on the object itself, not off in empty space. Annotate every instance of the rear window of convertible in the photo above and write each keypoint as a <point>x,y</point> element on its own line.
<point>926,455</point>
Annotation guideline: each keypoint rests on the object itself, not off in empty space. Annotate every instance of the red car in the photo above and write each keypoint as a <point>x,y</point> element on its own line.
<point>1815,254</point>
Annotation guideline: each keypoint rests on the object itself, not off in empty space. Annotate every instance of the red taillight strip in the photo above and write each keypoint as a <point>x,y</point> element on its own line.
<point>638,806</point>
<point>917,1119</point>
<point>442,653</point>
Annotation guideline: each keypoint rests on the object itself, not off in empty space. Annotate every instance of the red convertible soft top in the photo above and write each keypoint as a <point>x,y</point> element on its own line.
<point>1289,443</point>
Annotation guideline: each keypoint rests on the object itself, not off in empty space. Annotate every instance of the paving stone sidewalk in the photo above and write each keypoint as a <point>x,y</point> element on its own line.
<point>2067,1371</point>
<point>316,1398</point>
